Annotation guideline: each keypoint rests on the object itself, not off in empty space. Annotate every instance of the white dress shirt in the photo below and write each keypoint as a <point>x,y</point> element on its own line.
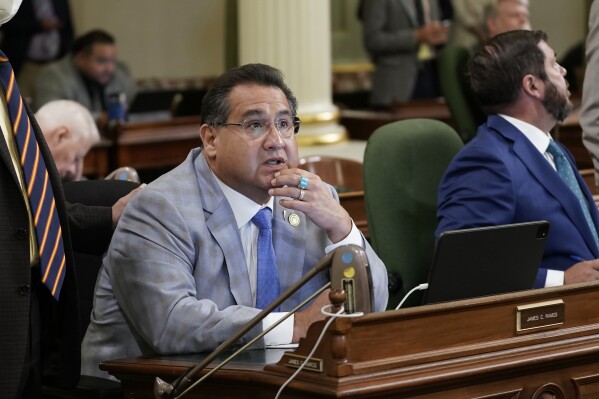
<point>244,210</point>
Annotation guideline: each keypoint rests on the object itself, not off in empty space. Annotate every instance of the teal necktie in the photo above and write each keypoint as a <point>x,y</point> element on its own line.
<point>564,169</point>
<point>267,281</point>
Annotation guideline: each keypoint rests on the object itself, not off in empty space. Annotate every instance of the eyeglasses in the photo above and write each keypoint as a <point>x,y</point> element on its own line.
<point>255,128</point>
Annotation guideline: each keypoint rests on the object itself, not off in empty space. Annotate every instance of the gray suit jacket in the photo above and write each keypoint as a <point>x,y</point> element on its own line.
<point>589,114</point>
<point>175,278</point>
<point>389,27</point>
<point>60,80</point>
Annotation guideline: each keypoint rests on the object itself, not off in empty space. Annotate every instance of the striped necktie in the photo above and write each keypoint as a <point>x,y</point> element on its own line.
<point>564,169</point>
<point>38,186</point>
<point>267,280</point>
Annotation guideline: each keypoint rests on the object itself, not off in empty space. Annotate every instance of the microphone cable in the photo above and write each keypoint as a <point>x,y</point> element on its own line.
<point>417,288</point>
<point>333,316</point>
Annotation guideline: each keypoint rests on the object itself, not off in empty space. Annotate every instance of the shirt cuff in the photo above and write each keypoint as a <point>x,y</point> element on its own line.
<point>354,237</point>
<point>554,278</point>
<point>281,334</point>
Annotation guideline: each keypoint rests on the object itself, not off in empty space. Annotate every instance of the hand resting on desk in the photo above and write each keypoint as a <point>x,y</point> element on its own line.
<point>582,271</point>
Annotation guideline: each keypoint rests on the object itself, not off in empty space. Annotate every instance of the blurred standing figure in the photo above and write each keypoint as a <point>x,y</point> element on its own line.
<point>70,132</point>
<point>589,114</point>
<point>400,36</point>
<point>41,32</point>
<point>506,15</point>
<point>88,75</point>
<point>467,28</point>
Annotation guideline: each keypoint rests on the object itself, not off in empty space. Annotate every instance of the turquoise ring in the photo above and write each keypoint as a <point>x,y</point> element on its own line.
<point>303,183</point>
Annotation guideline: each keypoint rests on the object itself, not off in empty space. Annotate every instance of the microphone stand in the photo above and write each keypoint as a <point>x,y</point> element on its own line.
<point>164,390</point>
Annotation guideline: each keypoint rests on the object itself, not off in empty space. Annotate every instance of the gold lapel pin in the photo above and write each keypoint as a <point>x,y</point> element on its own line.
<point>294,220</point>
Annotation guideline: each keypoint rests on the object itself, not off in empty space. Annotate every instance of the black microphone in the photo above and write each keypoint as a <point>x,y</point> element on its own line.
<point>349,269</point>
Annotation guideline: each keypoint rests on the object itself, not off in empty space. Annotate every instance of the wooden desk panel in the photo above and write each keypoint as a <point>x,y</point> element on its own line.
<point>462,349</point>
<point>96,163</point>
<point>360,124</point>
<point>157,147</point>
<point>353,203</point>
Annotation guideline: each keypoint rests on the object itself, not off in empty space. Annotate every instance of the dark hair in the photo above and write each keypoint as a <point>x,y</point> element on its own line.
<point>215,104</point>
<point>84,43</point>
<point>495,72</point>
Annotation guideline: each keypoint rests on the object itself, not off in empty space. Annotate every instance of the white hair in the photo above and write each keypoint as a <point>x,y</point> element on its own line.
<point>71,114</point>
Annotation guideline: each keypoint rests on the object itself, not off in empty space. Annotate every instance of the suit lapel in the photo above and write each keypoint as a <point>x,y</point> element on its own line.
<point>290,246</point>
<point>547,177</point>
<point>221,223</point>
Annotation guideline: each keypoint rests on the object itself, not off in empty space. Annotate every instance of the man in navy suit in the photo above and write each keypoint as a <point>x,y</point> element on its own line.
<point>507,173</point>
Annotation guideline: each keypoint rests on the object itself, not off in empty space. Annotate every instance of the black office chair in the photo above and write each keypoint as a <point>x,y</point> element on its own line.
<point>87,266</point>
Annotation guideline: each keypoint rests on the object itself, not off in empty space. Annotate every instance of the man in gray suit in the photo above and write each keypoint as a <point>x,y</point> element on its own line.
<point>589,114</point>
<point>400,36</point>
<point>89,75</point>
<point>180,275</point>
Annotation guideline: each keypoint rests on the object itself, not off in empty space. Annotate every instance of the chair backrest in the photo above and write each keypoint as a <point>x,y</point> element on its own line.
<point>87,266</point>
<point>343,174</point>
<point>452,77</point>
<point>403,165</point>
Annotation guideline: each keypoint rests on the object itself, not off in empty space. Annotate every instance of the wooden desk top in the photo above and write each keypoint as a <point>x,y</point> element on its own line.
<point>473,348</point>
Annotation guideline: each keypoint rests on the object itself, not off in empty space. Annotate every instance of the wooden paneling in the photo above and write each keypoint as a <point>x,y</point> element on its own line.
<point>462,349</point>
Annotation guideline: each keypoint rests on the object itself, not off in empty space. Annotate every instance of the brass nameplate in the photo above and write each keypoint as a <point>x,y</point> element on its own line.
<point>296,361</point>
<point>540,316</point>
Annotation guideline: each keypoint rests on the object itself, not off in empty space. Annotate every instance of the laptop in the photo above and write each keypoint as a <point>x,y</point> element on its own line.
<point>152,101</point>
<point>486,261</point>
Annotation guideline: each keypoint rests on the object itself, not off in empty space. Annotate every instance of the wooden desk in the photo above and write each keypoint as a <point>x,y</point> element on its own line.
<point>96,163</point>
<point>157,145</point>
<point>462,349</point>
<point>353,203</point>
<point>360,124</point>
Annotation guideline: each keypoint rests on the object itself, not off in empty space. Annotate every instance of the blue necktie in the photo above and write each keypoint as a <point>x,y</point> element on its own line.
<point>267,289</point>
<point>564,169</point>
<point>38,186</point>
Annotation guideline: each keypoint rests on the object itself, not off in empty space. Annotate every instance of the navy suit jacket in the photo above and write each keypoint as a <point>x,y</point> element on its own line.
<point>60,323</point>
<point>501,178</point>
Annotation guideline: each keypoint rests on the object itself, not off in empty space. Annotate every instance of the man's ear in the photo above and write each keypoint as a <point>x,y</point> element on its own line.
<point>59,135</point>
<point>208,136</point>
<point>533,86</point>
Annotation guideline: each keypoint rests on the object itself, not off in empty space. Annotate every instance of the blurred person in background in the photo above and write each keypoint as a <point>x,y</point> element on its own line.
<point>400,37</point>
<point>505,15</point>
<point>41,32</point>
<point>70,132</point>
<point>89,75</point>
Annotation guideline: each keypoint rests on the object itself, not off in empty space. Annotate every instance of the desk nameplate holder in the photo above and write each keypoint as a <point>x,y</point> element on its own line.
<point>295,361</point>
<point>540,316</point>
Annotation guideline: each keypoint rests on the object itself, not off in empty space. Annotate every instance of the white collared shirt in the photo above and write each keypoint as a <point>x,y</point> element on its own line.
<point>244,210</point>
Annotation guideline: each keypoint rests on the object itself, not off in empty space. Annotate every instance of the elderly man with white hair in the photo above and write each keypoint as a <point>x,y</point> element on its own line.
<point>506,15</point>
<point>70,132</point>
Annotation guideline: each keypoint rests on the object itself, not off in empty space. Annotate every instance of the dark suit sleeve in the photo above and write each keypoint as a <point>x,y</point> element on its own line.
<point>90,226</point>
